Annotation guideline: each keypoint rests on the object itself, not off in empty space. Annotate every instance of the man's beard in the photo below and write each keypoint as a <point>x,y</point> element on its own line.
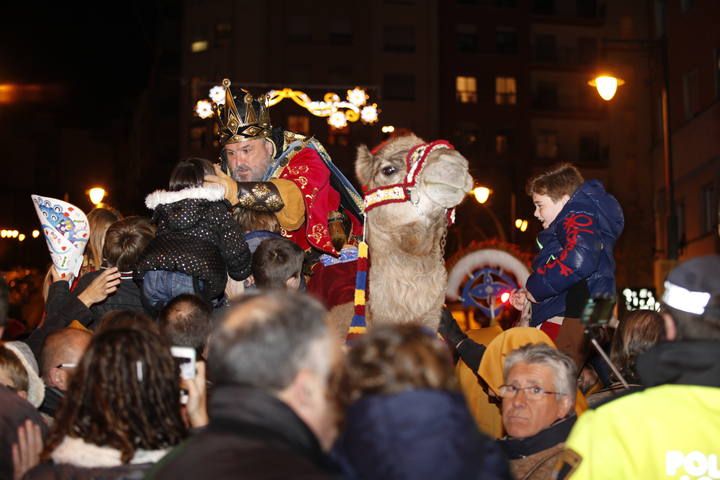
<point>242,173</point>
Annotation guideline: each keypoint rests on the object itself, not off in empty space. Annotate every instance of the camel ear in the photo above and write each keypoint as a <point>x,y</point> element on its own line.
<point>363,165</point>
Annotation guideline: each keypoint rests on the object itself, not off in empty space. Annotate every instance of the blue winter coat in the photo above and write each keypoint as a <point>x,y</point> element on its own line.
<point>417,434</point>
<point>577,245</point>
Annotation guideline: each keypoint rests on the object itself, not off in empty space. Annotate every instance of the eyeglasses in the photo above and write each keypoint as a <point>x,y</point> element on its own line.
<point>532,392</point>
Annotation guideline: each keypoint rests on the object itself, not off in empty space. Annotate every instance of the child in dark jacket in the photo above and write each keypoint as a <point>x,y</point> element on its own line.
<point>198,243</point>
<point>581,224</point>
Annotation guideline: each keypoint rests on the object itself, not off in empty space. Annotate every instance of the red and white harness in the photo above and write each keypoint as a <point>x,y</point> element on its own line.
<point>402,192</point>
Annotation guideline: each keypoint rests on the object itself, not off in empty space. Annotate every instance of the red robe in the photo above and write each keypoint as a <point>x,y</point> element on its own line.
<point>307,170</point>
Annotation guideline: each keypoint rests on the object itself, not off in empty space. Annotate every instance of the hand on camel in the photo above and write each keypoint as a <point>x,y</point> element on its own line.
<point>230,185</point>
<point>102,287</point>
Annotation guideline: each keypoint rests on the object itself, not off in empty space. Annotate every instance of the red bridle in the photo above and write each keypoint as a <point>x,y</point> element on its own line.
<point>400,192</point>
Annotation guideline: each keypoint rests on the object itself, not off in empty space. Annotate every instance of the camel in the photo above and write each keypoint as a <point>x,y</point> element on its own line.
<point>406,223</point>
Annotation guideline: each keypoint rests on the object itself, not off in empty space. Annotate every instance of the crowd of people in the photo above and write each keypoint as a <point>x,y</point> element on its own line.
<point>221,270</point>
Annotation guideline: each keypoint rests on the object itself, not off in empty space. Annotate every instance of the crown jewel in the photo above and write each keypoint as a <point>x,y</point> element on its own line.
<point>252,122</point>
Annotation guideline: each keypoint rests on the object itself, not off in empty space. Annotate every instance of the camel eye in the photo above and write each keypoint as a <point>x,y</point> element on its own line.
<point>389,170</point>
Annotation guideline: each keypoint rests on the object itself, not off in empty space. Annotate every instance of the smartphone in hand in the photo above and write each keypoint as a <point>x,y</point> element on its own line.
<point>185,359</point>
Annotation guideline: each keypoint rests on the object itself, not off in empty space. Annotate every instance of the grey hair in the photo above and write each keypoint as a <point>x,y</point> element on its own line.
<point>543,354</point>
<point>267,338</point>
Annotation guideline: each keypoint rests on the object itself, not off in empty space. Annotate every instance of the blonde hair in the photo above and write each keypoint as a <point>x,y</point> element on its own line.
<point>99,220</point>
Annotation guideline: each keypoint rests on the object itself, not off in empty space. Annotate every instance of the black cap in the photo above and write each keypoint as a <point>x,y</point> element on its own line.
<point>690,285</point>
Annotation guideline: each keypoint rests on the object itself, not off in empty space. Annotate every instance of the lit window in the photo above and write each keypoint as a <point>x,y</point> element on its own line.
<point>199,46</point>
<point>546,144</point>
<point>466,89</point>
<point>505,91</point>
<point>299,124</point>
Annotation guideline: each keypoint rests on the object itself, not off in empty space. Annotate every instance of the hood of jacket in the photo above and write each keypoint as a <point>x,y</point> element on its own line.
<point>415,434</point>
<point>681,363</point>
<point>610,215</point>
<point>185,208</point>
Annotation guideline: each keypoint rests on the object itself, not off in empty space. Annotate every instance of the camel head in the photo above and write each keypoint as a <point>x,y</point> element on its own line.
<point>439,184</point>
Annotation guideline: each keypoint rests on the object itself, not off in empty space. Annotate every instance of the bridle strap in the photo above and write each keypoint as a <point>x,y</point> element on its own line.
<point>400,192</point>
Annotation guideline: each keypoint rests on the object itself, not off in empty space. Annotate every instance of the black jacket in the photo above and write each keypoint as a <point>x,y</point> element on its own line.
<point>251,435</point>
<point>197,236</point>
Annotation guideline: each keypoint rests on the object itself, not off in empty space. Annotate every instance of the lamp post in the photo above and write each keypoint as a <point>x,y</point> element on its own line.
<point>482,194</point>
<point>607,85</point>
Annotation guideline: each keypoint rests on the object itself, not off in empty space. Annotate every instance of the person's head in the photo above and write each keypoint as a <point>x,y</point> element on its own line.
<point>251,220</point>
<point>395,358</point>
<point>540,387</point>
<point>185,321</point>
<point>248,160</point>
<point>125,395</point>
<point>126,319</point>
<point>279,342</point>
<point>277,263</point>
<point>691,300</point>
<point>125,241</point>
<point>637,332</point>
<point>61,353</point>
<point>12,372</point>
<point>99,220</point>
<point>190,173</point>
<point>550,191</point>
<point>4,304</point>
<point>21,372</point>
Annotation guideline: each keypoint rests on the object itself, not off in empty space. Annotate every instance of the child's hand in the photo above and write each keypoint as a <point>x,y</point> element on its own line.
<point>518,298</point>
<point>99,289</point>
<point>530,296</point>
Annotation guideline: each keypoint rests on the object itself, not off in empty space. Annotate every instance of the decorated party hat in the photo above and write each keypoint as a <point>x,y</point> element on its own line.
<point>66,231</point>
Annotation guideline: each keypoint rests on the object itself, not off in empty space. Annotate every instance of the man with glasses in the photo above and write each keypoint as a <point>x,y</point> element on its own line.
<point>537,408</point>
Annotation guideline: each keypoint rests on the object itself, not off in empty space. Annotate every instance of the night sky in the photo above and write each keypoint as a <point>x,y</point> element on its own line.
<point>101,56</point>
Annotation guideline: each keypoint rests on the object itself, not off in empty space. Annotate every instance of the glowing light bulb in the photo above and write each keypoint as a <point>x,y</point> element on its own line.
<point>217,94</point>
<point>481,194</point>
<point>606,86</point>
<point>357,96</point>
<point>35,233</point>
<point>337,120</point>
<point>96,195</point>
<point>203,109</point>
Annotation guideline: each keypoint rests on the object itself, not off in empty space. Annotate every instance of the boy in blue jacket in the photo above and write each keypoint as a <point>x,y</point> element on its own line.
<point>581,223</point>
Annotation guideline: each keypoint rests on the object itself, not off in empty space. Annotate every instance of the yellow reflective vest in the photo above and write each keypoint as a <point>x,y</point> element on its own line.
<point>669,431</point>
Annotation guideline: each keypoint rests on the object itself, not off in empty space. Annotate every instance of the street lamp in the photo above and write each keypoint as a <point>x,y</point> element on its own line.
<point>96,195</point>
<point>481,194</point>
<point>607,85</point>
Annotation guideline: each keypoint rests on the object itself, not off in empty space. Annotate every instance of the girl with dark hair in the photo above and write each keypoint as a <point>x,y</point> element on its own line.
<point>122,410</point>
<point>198,243</point>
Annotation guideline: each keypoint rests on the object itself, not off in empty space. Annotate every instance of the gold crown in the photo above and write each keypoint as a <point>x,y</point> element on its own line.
<point>254,122</point>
